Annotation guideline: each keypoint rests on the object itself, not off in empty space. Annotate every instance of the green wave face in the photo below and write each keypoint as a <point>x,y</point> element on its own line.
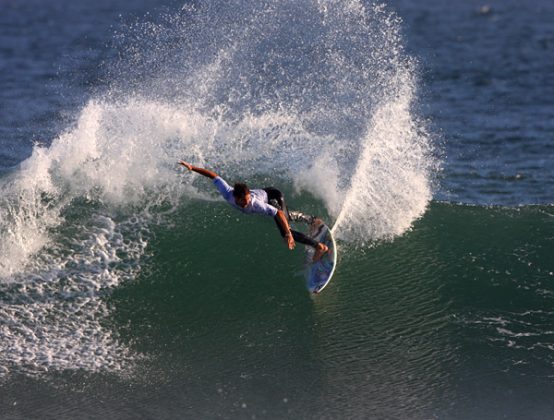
<point>459,305</point>
<point>218,313</point>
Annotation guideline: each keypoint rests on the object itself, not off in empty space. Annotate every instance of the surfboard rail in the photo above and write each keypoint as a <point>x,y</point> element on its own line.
<point>319,273</point>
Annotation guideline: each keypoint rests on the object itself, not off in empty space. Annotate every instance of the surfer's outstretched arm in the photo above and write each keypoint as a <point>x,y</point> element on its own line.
<point>201,171</point>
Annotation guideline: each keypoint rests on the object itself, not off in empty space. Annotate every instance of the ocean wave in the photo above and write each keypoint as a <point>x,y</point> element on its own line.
<point>316,97</point>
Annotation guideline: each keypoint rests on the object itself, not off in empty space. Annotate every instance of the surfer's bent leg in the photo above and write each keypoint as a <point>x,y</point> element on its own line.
<point>303,239</point>
<point>276,199</point>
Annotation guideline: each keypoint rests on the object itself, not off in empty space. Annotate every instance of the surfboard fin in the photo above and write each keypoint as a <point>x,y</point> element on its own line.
<point>297,216</point>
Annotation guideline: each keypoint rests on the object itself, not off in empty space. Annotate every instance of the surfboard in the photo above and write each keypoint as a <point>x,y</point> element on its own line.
<point>319,273</point>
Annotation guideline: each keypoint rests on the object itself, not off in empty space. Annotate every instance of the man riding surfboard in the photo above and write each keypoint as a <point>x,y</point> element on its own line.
<point>267,201</point>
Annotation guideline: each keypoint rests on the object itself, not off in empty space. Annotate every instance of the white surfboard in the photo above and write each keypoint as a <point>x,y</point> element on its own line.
<point>319,273</point>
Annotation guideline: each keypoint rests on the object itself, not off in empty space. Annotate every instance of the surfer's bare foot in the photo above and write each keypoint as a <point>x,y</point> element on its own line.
<point>315,225</point>
<point>317,222</point>
<point>320,251</point>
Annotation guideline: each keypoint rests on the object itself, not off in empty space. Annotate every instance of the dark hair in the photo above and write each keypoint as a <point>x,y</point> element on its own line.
<point>240,190</point>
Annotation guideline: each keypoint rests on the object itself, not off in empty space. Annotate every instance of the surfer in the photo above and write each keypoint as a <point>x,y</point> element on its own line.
<point>267,201</point>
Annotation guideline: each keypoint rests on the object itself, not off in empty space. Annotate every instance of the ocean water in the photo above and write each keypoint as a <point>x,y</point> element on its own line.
<point>422,131</point>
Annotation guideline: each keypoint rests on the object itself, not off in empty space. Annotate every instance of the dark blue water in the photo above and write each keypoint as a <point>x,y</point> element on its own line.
<point>426,130</point>
<point>488,88</point>
<point>52,55</point>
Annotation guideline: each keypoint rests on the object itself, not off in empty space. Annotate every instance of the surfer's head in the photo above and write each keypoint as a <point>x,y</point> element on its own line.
<point>241,194</point>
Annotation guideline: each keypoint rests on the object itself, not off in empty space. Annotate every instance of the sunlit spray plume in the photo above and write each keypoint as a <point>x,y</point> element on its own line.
<point>391,185</point>
<point>318,92</point>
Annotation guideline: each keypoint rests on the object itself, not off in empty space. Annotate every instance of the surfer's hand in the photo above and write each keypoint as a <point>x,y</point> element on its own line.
<point>186,165</point>
<point>289,240</point>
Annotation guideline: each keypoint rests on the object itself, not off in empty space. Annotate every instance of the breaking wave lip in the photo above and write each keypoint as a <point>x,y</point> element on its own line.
<point>71,231</point>
<point>330,109</point>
